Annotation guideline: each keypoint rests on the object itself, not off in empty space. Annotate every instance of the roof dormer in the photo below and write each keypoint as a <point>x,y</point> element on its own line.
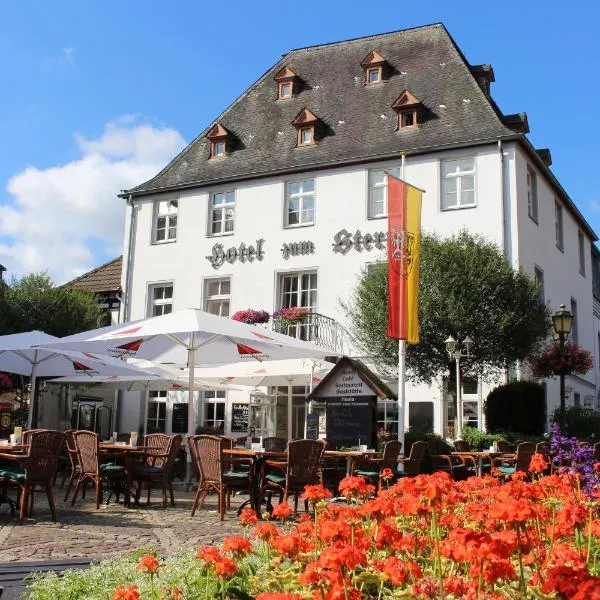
<point>374,66</point>
<point>287,83</point>
<point>218,141</point>
<point>306,124</point>
<point>409,109</point>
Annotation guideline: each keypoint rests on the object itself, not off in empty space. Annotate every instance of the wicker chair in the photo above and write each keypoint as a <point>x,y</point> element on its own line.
<point>413,465</point>
<point>72,472</point>
<point>90,469</point>
<point>37,470</point>
<point>275,444</point>
<point>302,468</point>
<point>215,470</point>
<point>160,452</point>
<point>371,468</point>
<point>508,465</point>
<point>504,447</point>
<point>457,467</point>
<point>26,437</point>
<point>462,446</point>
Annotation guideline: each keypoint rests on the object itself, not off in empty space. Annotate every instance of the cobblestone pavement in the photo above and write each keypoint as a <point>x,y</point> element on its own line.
<point>83,531</point>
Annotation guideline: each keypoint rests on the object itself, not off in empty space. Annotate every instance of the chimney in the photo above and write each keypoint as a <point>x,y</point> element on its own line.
<point>484,75</point>
<point>544,154</point>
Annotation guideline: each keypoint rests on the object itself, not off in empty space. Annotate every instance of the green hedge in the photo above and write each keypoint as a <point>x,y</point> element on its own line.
<point>580,422</point>
<point>519,406</point>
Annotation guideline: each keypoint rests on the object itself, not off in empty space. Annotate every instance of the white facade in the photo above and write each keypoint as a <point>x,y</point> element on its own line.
<point>341,202</point>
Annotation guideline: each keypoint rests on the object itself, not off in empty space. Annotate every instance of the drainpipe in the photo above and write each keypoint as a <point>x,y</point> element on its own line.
<point>502,199</point>
<point>126,314</point>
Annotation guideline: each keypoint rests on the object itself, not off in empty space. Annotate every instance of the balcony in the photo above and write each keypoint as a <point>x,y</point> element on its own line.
<point>319,329</point>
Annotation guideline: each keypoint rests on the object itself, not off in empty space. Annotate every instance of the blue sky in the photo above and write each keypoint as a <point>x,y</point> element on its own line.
<point>98,96</point>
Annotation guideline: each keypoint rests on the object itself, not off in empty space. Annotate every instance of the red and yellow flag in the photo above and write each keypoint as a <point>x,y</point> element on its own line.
<point>404,249</point>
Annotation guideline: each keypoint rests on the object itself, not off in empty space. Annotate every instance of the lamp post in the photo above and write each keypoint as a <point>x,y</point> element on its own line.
<point>456,352</point>
<point>562,321</point>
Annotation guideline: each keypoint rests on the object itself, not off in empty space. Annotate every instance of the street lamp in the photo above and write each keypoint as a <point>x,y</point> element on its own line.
<point>562,321</point>
<point>456,352</point>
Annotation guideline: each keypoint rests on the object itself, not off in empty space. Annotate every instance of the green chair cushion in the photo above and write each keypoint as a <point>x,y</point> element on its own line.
<point>147,469</point>
<point>274,478</point>
<point>507,470</point>
<point>368,474</point>
<point>237,475</point>
<point>110,468</point>
<point>13,475</point>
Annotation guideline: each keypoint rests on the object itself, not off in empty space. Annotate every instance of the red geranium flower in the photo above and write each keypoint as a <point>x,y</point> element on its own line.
<point>129,593</point>
<point>538,463</point>
<point>148,564</point>
<point>315,493</point>
<point>236,544</point>
<point>282,511</point>
<point>248,516</point>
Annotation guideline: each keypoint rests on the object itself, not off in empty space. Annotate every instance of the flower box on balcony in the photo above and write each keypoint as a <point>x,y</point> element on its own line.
<point>251,316</point>
<point>291,316</point>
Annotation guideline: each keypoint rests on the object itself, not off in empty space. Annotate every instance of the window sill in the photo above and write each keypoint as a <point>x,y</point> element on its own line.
<point>299,225</point>
<point>376,218</point>
<point>451,208</point>
<point>161,242</point>
<point>215,235</point>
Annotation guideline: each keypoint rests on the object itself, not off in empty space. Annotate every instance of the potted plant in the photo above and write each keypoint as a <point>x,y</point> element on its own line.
<point>290,316</point>
<point>251,316</point>
<point>571,359</point>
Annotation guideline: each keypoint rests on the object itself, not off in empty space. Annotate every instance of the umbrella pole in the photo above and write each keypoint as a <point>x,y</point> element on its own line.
<point>191,406</point>
<point>32,391</point>
<point>290,418</point>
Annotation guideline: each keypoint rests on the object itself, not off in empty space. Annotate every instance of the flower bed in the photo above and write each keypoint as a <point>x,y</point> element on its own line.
<point>424,537</point>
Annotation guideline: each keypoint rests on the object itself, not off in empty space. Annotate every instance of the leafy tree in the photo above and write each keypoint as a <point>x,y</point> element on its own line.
<point>468,288</point>
<point>33,302</point>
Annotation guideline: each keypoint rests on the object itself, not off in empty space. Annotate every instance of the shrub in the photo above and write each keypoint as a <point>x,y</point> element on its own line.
<point>478,440</point>
<point>517,406</point>
<point>579,422</point>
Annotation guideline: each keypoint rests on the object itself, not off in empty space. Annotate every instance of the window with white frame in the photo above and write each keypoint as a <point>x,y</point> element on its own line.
<point>217,296</point>
<point>538,276</point>
<point>532,194</point>
<point>378,192</point>
<point>387,416</point>
<point>300,203</point>
<point>214,410</point>
<point>298,289</point>
<point>574,326</point>
<point>222,213</point>
<point>156,420</point>
<point>558,225</point>
<point>165,221</point>
<point>458,183</point>
<point>160,299</point>
<point>581,247</point>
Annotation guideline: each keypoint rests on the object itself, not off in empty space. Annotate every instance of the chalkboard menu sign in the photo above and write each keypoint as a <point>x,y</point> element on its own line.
<point>239,418</point>
<point>350,420</point>
<point>312,426</point>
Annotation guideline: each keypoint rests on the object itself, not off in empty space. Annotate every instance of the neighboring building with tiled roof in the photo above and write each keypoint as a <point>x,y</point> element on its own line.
<point>105,282</point>
<point>281,201</point>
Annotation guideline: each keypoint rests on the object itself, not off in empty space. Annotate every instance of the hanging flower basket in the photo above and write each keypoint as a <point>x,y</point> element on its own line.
<point>291,316</point>
<point>251,316</point>
<point>573,359</point>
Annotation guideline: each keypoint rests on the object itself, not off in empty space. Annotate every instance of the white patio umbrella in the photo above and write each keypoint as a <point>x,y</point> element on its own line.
<point>27,354</point>
<point>193,338</point>
<point>277,373</point>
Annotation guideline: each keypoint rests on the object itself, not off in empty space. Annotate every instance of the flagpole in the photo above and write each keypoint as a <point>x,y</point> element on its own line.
<point>401,366</point>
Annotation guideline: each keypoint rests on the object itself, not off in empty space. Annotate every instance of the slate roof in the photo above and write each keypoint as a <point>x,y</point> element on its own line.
<point>357,122</point>
<point>424,60</point>
<point>105,278</point>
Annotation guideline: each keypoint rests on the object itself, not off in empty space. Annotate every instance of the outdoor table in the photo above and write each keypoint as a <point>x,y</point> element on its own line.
<point>258,457</point>
<point>351,457</point>
<point>13,454</point>
<point>128,453</point>
<point>480,455</point>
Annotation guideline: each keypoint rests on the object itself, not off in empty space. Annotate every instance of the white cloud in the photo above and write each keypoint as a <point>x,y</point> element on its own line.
<point>66,56</point>
<point>67,219</point>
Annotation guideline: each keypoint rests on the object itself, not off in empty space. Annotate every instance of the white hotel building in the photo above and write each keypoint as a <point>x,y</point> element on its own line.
<point>281,202</point>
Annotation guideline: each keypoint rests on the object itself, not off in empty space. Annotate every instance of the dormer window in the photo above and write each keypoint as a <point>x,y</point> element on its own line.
<point>305,123</point>
<point>286,82</point>
<point>307,136</point>
<point>374,65</point>
<point>409,109</point>
<point>218,141</point>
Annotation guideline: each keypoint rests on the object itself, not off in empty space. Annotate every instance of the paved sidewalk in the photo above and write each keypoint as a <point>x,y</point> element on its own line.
<point>84,532</point>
